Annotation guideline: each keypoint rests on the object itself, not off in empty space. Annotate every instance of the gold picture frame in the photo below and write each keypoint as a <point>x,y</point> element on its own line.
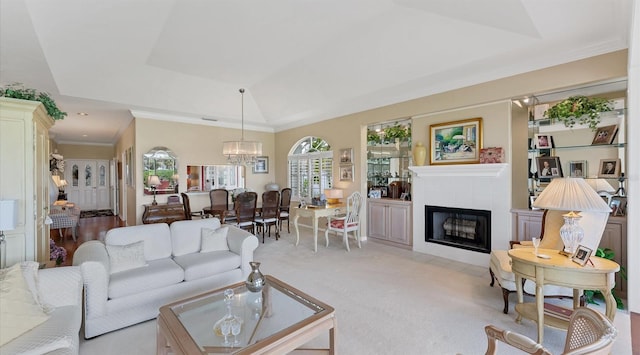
<point>456,142</point>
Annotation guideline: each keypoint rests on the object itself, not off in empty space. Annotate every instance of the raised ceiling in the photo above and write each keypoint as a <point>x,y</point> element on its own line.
<point>300,61</point>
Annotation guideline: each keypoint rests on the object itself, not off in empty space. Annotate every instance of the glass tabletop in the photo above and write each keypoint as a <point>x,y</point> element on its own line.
<point>275,311</point>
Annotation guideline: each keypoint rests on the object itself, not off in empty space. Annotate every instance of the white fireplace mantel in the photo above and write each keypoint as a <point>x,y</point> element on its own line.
<point>482,170</point>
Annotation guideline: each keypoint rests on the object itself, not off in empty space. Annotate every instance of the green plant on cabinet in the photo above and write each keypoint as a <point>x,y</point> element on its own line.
<point>18,91</point>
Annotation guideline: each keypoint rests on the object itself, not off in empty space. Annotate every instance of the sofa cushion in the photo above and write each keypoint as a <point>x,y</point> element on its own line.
<point>214,239</point>
<point>157,239</point>
<point>158,273</point>
<point>19,312</point>
<point>126,257</point>
<point>186,235</point>
<point>201,265</point>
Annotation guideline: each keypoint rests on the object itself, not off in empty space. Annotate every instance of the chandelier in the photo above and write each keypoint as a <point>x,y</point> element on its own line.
<point>242,152</point>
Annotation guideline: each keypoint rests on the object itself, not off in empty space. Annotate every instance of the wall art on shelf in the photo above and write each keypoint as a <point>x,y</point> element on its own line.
<point>346,172</point>
<point>605,135</point>
<point>261,166</point>
<point>609,168</point>
<point>491,155</point>
<point>543,141</point>
<point>346,156</point>
<point>548,167</point>
<point>578,168</point>
<point>457,142</point>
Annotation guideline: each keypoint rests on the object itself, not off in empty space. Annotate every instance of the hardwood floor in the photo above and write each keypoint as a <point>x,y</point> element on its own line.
<point>93,228</point>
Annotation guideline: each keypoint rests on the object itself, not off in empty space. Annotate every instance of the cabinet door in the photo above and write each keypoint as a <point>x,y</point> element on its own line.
<point>377,218</point>
<point>614,238</point>
<point>398,219</point>
<point>529,227</point>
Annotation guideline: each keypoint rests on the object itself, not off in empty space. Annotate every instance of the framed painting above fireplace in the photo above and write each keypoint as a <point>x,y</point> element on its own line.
<point>457,142</point>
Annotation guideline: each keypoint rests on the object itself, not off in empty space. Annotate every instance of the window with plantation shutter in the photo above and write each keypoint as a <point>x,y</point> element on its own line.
<point>310,167</point>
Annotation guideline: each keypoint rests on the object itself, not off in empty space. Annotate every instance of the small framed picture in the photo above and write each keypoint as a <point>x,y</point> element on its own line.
<point>346,172</point>
<point>543,141</point>
<point>618,205</point>
<point>548,167</point>
<point>532,199</point>
<point>582,255</point>
<point>404,196</point>
<point>605,135</point>
<point>609,168</point>
<point>578,168</point>
<point>346,156</point>
<point>261,166</point>
<point>375,193</point>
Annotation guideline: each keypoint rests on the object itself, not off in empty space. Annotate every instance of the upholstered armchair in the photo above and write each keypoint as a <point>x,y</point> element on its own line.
<point>589,333</point>
<point>593,224</point>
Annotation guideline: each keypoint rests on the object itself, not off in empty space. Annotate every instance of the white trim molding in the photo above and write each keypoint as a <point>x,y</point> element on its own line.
<point>482,170</point>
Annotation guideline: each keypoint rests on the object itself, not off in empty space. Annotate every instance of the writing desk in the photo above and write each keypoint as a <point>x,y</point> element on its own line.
<point>562,271</point>
<point>315,213</point>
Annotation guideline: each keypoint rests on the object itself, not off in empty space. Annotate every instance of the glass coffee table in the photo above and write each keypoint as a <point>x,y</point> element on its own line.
<point>277,320</point>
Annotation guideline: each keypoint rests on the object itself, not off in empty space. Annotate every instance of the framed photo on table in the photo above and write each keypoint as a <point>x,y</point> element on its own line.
<point>582,255</point>
<point>261,166</point>
<point>457,142</point>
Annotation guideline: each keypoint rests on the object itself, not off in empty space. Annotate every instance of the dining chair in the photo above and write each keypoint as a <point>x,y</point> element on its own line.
<point>245,210</point>
<point>219,199</point>
<point>589,332</point>
<point>188,214</point>
<point>285,204</point>
<point>348,222</point>
<point>270,214</point>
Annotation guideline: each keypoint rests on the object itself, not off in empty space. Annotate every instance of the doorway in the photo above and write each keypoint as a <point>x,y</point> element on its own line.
<point>88,183</point>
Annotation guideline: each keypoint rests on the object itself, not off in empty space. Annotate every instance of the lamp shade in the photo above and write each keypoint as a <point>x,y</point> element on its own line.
<point>333,193</point>
<point>570,194</point>
<point>8,214</point>
<point>154,180</point>
<point>242,148</point>
<point>600,185</point>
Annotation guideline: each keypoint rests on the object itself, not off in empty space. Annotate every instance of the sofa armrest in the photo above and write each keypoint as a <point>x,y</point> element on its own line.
<point>242,243</point>
<point>60,286</point>
<point>93,260</point>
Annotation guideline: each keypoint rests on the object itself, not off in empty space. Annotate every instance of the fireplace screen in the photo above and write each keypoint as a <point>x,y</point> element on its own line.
<point>459,227</point>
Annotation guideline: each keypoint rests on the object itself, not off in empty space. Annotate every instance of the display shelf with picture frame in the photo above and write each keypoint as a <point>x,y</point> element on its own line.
<point>578,169</point>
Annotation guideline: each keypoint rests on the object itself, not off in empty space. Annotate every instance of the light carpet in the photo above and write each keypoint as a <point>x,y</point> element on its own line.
<point>387,301</point>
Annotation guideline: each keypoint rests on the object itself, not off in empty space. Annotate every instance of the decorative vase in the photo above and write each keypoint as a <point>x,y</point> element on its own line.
<point>255,282</point>
<point>419,154</point>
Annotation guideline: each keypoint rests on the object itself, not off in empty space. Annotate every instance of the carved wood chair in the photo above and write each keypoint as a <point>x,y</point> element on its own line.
<point>285,205</point>
<point>188,213</point>
<point>270,214</point>
<point>349,222</point>
<point>589,333</point>
<point>219,199</point>
<point>245,210</point>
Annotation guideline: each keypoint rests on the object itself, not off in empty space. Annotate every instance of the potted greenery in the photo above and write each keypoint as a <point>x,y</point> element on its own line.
<point>18,91</point>
<point>590,295</point>
<point>579,109</point>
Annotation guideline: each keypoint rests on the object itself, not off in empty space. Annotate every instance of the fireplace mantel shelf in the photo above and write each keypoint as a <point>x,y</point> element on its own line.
<point>480,170</point>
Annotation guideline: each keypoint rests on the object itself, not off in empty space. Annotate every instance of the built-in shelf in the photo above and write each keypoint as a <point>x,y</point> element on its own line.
<point>478,170</point>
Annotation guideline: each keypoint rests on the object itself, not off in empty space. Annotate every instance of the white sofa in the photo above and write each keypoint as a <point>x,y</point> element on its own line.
<point>175,268</point>
<point>60,290</point>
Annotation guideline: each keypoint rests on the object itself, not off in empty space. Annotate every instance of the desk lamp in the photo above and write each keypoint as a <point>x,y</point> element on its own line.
<point>8,219</point>
<point>154,181</point>
<point>333,196</point>
<point>571,194</point>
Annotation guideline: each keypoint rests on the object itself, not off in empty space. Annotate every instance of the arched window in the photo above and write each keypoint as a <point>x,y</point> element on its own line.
<point>310,167</point>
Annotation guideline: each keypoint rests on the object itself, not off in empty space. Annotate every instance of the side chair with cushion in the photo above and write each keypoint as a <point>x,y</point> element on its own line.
<point>349,222</point>
<point>187,208</point>
<point>589,333</point>
<point>285,205</point>
<point>593,224</point>
<point>270,215</point>
<point>245,210</point>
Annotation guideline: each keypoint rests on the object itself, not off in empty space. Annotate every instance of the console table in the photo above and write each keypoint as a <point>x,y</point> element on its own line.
<point>163,213</point>
<point>562,271</point>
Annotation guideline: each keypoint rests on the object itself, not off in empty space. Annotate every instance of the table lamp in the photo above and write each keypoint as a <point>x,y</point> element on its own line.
<point>333,196</point>
<point>154,181</point>
<point>8,221</point>
<point>571,194</point>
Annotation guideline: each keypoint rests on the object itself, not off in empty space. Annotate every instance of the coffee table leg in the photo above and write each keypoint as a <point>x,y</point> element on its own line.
<point>332,337</point>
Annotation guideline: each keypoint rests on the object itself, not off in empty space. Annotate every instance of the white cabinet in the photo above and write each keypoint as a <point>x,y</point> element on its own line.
<point>24,155</point>
<point>389,221</point>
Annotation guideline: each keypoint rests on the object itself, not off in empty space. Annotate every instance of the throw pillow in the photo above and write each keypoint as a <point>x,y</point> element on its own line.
<point>19,312</point>
<point>126,257</point>
<point>214,239</point>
